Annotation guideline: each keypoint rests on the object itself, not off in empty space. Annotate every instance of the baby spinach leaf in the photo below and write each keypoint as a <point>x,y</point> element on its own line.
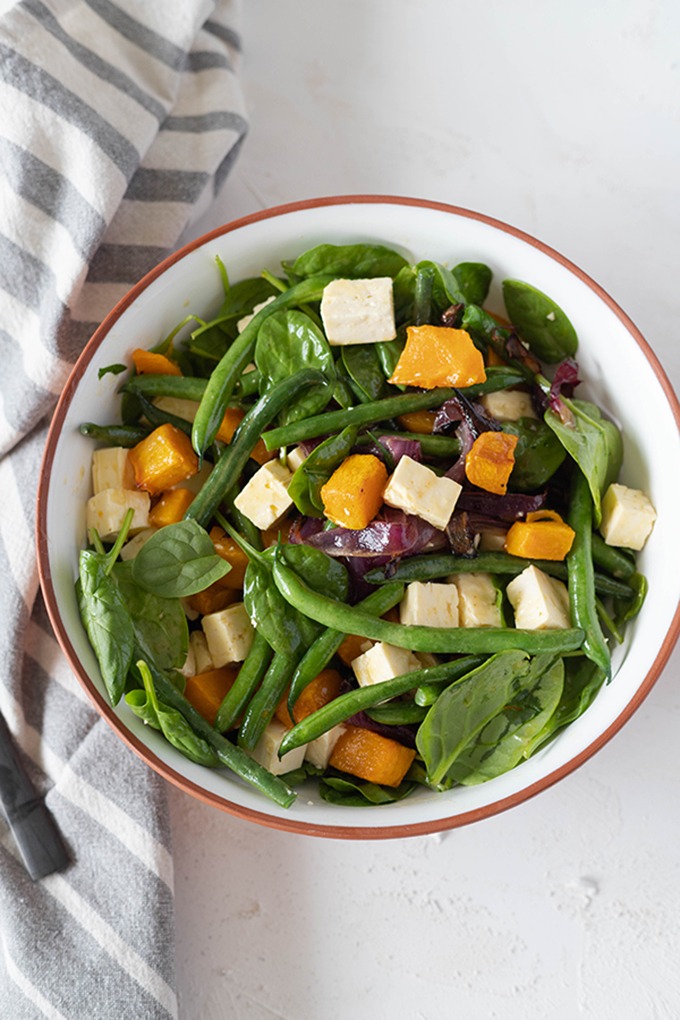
<point>363,366</point>
<point>538,453</point>
<point>592,441</point>
<point>464,708</point>
<point>305,485</point>
<point>111,370</point>
<point>582,680</point>
<point>445,289</point>
<point>355,793</point>
<point>351,261</point>
<point>107,621</point>
<point>539,321</point>
<point>503,742</point>
<point>288,342</point>
<point>283,628</point>
<point>321,572</point>
<point>474,280</point>
<point>159,624</point>
<point>178,561</point>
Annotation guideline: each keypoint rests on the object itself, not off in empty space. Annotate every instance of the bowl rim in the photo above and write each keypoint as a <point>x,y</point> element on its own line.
<point>289,823</point>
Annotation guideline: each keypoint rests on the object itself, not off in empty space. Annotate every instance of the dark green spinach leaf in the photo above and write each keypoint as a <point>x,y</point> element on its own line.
<point>178,561</point>
<point>349,261</point>
<point>160,628</point>
<point>538,454</point>
<point>474,280</point>
<point>288,342</point>
<point>539,321</point>
<point>107,621</point>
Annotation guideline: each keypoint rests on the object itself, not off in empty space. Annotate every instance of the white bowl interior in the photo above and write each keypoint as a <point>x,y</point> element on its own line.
<point>618,374</point>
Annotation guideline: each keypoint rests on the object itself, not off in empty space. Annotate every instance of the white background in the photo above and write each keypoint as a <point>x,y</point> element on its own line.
<point>563,120</point>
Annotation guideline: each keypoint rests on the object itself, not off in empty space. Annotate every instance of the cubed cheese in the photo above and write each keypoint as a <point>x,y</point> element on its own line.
<point>178,406</point>
<point>540,602</point>
<point>264,499</point>
<point>111,469</point>
<point>131,548</point>
<point>509,405</point>
<point>627,517</point>
<point>382,662</point>
<point>242,323</point>
<point>479,600</point>
<point>492,539</point>
<point>229,634</point>
<point>295,457</point>
<point>416,489</point>
<point>198,644</point>
<point>266,750</point>
<point>189,667</point>
<point>107,509</point>
<point>319,750</point>
<point>429,604</point>
<point>358,311</point>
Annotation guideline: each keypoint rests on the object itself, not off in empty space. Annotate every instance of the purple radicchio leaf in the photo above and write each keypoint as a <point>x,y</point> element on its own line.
<point>390,450</point>
<point>402,734</point>
<point>390,535</point>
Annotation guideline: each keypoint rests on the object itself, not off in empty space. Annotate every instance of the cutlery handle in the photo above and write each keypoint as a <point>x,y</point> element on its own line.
<point>40,842</point>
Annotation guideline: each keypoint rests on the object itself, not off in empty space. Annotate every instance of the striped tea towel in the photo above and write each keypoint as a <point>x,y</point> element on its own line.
<point>119,120</point>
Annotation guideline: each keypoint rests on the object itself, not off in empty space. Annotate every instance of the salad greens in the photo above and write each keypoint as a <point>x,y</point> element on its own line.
<point>235,618</point>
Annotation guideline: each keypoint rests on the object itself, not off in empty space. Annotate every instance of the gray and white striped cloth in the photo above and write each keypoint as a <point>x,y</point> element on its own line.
<point>119,120</point>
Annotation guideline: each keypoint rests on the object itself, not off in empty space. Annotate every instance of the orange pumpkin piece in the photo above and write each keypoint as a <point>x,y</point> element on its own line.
<point>490,462</point>
<point>233,416</point>
<point>353,494</point>
<point>163,459</point>
<point>279,533</point>
<point>206,691</point>
<point>150,363</point>
<point>214,598</point>
<point>542,536</point>
<point>421,422</point>
<point>323,688</point>
<point>438,356</point>
<point>229,550</point>
<point>371,756</point>
<point>171,507</point>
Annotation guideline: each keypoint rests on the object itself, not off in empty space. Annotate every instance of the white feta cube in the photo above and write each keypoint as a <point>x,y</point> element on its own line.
<point>382,662</point>
<point>492,539</point>
<point>107,509</point>
<point>111,469</point>
<point>479,600</point>
<point>198,645</point>
<point>266,750</point>
<point>229,634</point>
<point>416,489</point>
<point>509,405</point>
<point>540,602</point>
<point>131,548</point>
<point>264,499</point>
<point>320,749</point>
<point>242,323</point>
<point>627,517</point>
<point>429,604</point>
<point>178,406</point>
<point>295,458</point>
<point>358,311</point>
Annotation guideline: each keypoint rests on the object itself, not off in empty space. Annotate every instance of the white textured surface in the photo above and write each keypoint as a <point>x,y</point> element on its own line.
<point>563,121</point>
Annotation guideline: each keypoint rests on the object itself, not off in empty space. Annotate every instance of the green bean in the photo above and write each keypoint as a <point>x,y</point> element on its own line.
<point>611,559</point>
<point>115,435</point>
<point>157,416</point>
<point>249,383</point>
<point>427,693</point>
<point>263,703</point>
<point>234,758</point>
<point>332,613</point>
<point>364,414</point>
<point>186,387</point>
<point>435,565</point>
<point>248,680</point>
<point>398,713</point>
<point>361,699</point>
<point>234,457</point>
<point>581,574</point>
<point>422,298</point>
<point>226,373</point>
<point>321,651</point>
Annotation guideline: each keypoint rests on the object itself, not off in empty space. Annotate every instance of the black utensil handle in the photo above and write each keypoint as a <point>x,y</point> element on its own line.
<point>40,842</point>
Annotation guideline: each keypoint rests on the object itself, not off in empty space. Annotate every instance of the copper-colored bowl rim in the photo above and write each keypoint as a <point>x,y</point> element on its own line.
<point>290,824</point>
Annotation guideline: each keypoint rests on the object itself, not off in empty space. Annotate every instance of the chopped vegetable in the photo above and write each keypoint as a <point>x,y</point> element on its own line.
<point>542,536</point>
<point>163,459</point>
<point>439,356</point>
<point>353,494</point>
<point>151,363</point>
<point>489,463</point>
<point>171,507</point>
<point>371,756</point>
<point>206,691</point>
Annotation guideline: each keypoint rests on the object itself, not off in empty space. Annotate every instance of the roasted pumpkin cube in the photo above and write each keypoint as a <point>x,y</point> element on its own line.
<point>151,363</point>
<point>206,691</point>
<point>371,756</point>
<point>421,422</point>
<point>214,598</point>
<point>163,459</point>
<point>319,692</point>
<point>353,494</point>
<point>490,462</point>
<point>171,507</point>
<point>542,536</point>
<point>233,416</point>
<point>231,551</point>
<point>438,356</point>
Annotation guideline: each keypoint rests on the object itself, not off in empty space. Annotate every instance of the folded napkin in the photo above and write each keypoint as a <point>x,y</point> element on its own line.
<point>119,120</point>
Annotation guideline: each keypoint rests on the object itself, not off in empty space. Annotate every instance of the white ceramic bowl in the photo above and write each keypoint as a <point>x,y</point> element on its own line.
<point>621,374</point>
